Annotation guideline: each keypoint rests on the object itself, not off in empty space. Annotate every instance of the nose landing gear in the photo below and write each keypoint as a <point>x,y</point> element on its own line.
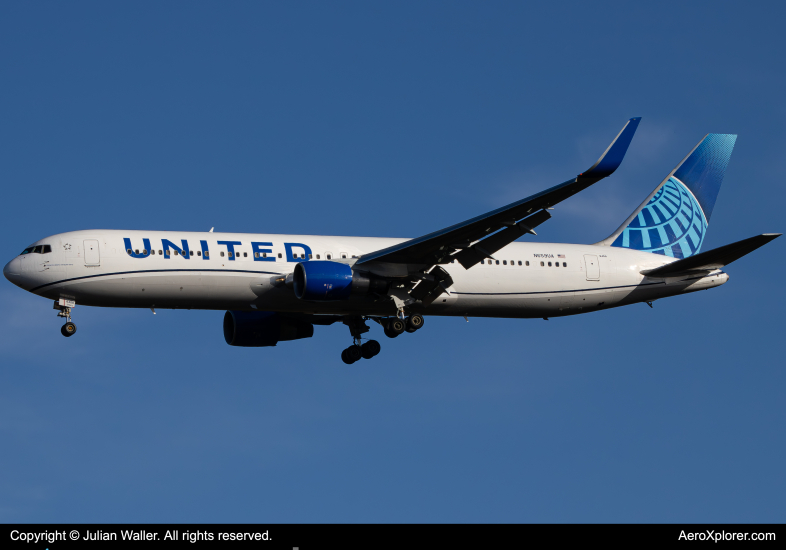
<point>64,310</point>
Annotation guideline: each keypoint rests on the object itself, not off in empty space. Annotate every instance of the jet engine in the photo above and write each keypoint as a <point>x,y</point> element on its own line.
<point>263,328</point>
<point>331,281</point>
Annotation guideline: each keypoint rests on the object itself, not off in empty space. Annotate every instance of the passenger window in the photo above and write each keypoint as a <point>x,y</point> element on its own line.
<point>192,252</point>
<point>526,263</point>
<point>207,253</point>
<point>129,251</point>
<point>549,264</point>
<point>231,255</point>
<point>542,264</point>
<point>245,254</point>
<point>317,256</point>
<point>222,254</point>
<point>144,252</point>
<point>504,262</point>
<point>264,254</point>
<point>136,251</point>
<point>168,252</point>
<point>279,254</point>
<point>328,256</point>
<point>343,256</point>
<point>199,252</point>
<point>159,252</point>
<point>256,254</point>
<point>564,264</point>
<point>497,261</point>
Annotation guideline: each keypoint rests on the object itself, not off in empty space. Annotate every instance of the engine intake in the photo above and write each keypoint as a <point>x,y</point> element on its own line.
<point>263,328</point>
<point>332,281</point>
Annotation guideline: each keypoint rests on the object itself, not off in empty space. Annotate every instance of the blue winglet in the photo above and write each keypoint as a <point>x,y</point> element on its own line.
<point>611,159</point>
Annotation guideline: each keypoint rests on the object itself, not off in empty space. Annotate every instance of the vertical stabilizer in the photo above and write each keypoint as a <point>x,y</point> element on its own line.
<point>673,220</point>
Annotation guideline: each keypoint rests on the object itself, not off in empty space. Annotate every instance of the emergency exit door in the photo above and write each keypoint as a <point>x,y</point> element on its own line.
<point>592,266</point>
<point>92,256</point>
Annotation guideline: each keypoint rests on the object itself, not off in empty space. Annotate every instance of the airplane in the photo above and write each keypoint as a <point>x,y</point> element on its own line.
<point>276,288</point>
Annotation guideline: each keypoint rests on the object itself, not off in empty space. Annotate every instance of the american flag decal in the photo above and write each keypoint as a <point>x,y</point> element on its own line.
<point>560,255</point>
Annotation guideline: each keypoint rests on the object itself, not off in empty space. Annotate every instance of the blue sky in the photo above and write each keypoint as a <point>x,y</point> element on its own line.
<point>389,119</point>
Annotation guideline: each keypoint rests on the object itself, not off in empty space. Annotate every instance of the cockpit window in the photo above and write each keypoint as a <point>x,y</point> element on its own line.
<point>40,249</point>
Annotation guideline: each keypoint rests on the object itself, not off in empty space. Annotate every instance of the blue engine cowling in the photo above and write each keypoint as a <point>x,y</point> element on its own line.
<point>263,328</point>
<point>329,281</point>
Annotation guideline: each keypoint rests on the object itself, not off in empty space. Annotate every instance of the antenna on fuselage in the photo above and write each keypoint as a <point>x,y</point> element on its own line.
<point>211,229</point>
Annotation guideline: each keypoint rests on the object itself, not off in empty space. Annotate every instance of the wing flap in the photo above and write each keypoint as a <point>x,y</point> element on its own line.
<point>485,248</point>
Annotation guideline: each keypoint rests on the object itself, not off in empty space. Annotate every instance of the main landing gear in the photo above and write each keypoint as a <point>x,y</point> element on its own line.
<point>393,326</point>
<point>358,351</point>
<point>64,310</point>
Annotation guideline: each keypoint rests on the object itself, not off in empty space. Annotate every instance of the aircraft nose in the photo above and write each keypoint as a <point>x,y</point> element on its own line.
<point>13,271</point>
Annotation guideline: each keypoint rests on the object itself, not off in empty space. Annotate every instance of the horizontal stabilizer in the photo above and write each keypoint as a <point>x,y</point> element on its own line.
<point>711,259</point>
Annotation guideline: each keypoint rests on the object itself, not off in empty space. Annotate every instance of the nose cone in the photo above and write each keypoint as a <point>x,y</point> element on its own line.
<point>13,271</point>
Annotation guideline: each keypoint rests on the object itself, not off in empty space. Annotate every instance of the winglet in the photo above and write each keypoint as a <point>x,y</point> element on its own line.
<point>611,159</point>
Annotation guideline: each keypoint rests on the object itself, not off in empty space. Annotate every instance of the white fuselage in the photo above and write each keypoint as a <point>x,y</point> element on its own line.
<point>94,268</point>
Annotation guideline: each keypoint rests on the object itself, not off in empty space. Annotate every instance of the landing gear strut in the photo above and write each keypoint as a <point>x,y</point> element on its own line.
<point>64,310</point>
<point>355,352</point>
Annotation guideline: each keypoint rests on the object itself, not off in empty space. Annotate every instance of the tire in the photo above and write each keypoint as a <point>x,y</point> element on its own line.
<point>370,349</point>
<point>354,353</point>
<point>69,329</point>
<point>396,326</point>
<point>414,322</point>
<point>345,358</point>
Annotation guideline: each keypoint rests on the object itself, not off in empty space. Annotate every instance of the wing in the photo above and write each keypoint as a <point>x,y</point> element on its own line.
<point>480,237</point>
<point>711,259</point>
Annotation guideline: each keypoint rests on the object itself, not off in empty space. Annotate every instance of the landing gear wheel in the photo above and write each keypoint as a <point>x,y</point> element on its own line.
<point>394,327</point>
<point>352,354</point>
<point>69,329</point>
<point>414,322</point>
<point>370,349</point>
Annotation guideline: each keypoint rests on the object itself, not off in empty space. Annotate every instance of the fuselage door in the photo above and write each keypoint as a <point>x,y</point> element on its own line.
<point>92,256</point>
<point>593,267</point>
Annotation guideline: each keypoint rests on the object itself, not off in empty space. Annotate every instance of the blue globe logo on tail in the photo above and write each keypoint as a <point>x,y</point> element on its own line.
<point>672,223</point>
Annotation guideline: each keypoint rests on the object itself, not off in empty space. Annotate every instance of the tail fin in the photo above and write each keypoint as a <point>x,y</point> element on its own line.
<point>673,220</point>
